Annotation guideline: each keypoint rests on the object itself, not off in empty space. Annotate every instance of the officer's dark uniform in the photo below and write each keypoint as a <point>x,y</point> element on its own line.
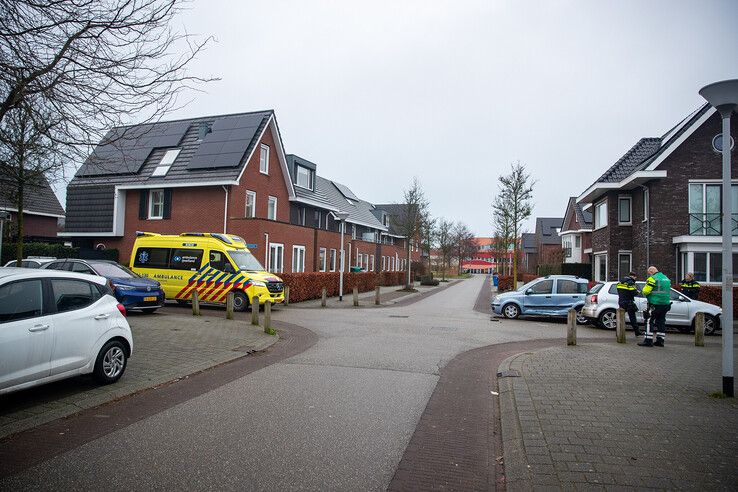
<point>691,288</point>
<point>626,300</point>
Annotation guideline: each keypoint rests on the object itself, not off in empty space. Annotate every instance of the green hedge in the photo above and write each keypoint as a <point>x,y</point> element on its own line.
<point>306,286</point>
<point>583,270</point>
<point>57,250</point>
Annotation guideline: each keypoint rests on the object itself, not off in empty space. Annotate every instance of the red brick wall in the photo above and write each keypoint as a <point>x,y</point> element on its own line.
<point>36,225</point>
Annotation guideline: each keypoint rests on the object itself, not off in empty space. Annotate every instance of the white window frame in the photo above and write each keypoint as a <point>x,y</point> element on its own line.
<point>630,210</point>
<point>264,159</point>
<point>310,178</point>
<point>322,259</point>
<point>272,199</point>
<point>629,254</point>
<point>166,162</point>
<point>371,263</point>
<point>647,205</point>
<point>151,214</point>
<point>600,278</point>
<point>252,195</point>
<point>384,262</point>
<point>596,214</point>
<point>298,253</point>
<point>276,261</point>
<point>333,259</point>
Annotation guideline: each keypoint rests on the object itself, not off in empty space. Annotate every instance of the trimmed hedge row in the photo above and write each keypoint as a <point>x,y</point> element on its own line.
<point>714,295</point>
<point>306,286</point>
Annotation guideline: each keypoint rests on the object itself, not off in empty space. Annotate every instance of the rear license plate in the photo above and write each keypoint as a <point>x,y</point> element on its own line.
<point>151,298</point>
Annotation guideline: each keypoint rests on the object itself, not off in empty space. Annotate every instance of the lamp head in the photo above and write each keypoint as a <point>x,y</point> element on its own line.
<point>341,215</point>
<point>722,95</point>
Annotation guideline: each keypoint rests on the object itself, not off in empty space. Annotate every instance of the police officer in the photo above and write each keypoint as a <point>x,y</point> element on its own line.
<point>658,293</point>
<point>690,287</point>
<point>626,299</point>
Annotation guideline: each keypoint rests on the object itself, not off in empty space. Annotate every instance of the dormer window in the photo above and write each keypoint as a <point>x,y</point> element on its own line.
<point>305,177</point>
<point>385,220</point>
<point>166,162</point>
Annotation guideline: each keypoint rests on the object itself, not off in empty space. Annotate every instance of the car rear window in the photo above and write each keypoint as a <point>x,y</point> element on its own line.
<point>613,289</point>
<point>71,294</point>
<point>595,289</point>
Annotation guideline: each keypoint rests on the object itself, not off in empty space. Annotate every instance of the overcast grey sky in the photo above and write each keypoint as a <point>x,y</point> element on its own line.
<point>376,92</point>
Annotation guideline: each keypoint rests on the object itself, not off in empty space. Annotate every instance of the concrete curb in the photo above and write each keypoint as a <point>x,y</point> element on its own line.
<point>517,469</point>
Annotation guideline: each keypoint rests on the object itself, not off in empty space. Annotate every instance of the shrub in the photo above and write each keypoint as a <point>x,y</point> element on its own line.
<point>714,295</point>
<point>39,249</point>
<point>554,269</point>
<point>428,280</point>
<point>583,270</point>
<point>504,283</point>
<point>309,285</point>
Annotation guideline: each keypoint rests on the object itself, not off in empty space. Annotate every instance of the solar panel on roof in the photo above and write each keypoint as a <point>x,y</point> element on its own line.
<point>228,141</point>
<point>345,191</point>
<point>124,150</point>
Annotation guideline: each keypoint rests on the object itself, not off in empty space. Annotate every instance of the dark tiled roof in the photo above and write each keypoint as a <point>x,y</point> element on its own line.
<point>546,230</point>
<point>359,211</point>
<point>583,216</point>
<point>528,241</point>
<point>38,198</point>
<point>626,165</point>
<point>396,212</point>
<point>672,135</point>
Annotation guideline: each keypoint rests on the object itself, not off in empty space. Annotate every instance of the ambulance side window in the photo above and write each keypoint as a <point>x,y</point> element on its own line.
<point>219,261</point>
<point>152,258</point>
<point>185,259</point>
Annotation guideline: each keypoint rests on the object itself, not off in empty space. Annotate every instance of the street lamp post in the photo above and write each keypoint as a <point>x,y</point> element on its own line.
<point>724,97</point>
<point>342,216</point>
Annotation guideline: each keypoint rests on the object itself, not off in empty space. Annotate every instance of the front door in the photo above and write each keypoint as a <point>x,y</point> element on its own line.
<point>25,333</point>
<point>538,298</point>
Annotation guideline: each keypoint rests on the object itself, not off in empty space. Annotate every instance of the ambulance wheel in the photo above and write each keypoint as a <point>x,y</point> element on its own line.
<point>182,302</point>
<point>240,301</point>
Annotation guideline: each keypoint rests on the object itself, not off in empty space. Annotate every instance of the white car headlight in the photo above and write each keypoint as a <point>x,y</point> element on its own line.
<point>256,283</point>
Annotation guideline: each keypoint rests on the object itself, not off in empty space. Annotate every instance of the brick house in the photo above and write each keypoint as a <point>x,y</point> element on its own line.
<point>576,233</point>
<point>660,204</point>
<point>547,241</point>
<point>529,252</point>
<point>225,173</point>
<point>42,213</point>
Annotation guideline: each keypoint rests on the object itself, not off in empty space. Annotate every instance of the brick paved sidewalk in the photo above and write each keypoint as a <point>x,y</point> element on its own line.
<point>608,416</point>
<point>165,347</point>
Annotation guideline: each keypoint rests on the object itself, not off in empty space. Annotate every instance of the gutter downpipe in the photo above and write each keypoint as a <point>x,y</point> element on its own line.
<point>225,211</point>
<point>648,227</point>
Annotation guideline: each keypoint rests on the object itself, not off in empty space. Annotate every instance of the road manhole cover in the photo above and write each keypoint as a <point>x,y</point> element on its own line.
<point>512,373</point>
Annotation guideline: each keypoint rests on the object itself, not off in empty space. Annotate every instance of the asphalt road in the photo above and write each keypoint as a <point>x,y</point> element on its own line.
<point>335,417</point>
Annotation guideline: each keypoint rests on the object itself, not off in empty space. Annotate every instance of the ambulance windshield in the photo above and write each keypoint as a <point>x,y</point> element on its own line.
<point>245,260</point>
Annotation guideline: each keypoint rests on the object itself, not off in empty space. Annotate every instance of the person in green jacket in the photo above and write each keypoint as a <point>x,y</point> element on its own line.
<point>658,294</point>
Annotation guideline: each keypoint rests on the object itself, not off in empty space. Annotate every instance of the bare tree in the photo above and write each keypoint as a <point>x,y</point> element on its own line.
<point>428,237</point>
<point>463,239</point>
<point>504,238</point>
<point>95,64</point>
<point>514,205</point>
<point>410,220</point>
<point>27,159</point>
<point>446,244</point>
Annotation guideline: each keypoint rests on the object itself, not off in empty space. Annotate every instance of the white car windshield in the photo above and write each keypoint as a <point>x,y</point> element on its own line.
<point>525,287</point>
<point>245,260</point>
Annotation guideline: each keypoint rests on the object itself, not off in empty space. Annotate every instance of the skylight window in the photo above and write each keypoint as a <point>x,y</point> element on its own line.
<point>166,162</point>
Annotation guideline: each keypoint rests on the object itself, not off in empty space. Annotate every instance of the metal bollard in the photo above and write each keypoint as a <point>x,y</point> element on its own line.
<point>286,295</point>
<point>229,305</point>
<point>195,303</point>
<point>268,317</point>
<point>620,325</point>
<point>699,330</point>
<point>323,296</point>
<point>255,310</point>
<point>571,328</point>
<point>377,300</point>
<point>356,296</point>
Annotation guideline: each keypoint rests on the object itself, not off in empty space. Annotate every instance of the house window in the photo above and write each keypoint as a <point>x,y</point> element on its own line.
<point>264,159</point>
<point>156,204</point>
<point>384,263</point>
<point>322,260</point>
<point>318,217</point>
<point>298,259</point>
<point>276,257</point>
<point>301,216</point>
<point>333,260</point>
<point>272,208</point>
<point>600,267</point>
<point>705,208</point>
<point>166,162</point>
<point>625,263</point>
<point>646,205</point>
<point>707,266</point>
<point>353,231</point>
<point>624,210</point>
<point>305,177</point>
<point>600,215</point>
<point>250,204</point>
<point>371,263</point>
<point>577,241</point>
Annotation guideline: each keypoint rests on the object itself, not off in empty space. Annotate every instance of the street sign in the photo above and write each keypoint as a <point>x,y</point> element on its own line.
<point>251,246</point>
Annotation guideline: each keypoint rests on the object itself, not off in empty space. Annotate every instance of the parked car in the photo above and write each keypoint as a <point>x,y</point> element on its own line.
<point>553,295</point>
<point>131,290</point>
<point>602,301</point>
<point>30,262</point>
<point>55,325</point>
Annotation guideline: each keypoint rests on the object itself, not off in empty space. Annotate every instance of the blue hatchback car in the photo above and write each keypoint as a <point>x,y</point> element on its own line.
<point>553,295</point>
<point>132,291</point>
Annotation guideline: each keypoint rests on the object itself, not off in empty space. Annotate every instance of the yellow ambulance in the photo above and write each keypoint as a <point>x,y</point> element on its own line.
<point>211,263</point>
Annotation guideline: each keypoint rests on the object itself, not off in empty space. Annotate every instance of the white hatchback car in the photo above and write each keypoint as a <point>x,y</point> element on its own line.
<point>602,301</point>
<point>55,325</point>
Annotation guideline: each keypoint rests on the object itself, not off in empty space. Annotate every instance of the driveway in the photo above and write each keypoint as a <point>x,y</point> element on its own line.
<point>335,417</point>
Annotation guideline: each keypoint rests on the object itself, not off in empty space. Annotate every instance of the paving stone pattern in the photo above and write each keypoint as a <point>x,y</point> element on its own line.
<point>166,347</point>
<point>613,417</point>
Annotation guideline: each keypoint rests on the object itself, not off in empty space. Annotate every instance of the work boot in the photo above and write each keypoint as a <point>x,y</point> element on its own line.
<point>637,332</point>
<point>646,343</point>
<point>659,342</point>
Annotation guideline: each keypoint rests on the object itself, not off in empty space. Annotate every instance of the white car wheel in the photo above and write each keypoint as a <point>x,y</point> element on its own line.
<point>511,311</point>
<point>608,319</point>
